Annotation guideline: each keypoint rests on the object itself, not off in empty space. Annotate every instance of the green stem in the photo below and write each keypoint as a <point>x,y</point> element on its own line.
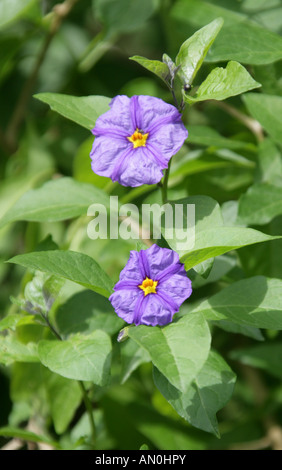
<point>89,410</point>
<point>165,183</point>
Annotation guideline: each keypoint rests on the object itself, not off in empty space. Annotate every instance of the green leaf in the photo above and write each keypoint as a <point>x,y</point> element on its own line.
<point>132,356</point>
<point>64,397</point>
<point>267,109</point>
<point>125,15</point>
<point>155,66</point>
<point>256,301</point>
<point>85,312</point>
<point>248,43</point>
<point>239,39</point>
<point>76,267</point>
<point>212,238</point>
<point>60,199</point>
<point>245,330</point>
<point>10,321</point>
<point>9,431</point>
<point>84,110</point>
<point>12,10</point>
<point>207,136</point>
<point>222,83</point>
<point>207,394</point>
<point>260,204</point>
<point>194,50</point>
<point>178,350</point>
<point>265,356</point>
<point>79,357</point>
<point>12,350</point>
<point>269,163</point>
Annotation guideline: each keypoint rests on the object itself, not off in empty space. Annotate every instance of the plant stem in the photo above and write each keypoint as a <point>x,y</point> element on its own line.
<point>165,183</point>
<point>89,410</point>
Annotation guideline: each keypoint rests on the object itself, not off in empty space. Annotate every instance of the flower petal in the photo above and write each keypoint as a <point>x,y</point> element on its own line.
<point>140,167</point>
<point>131,271</point>
<point>155,311</point>
<point>117,121</point>
<point>124,302</point>
<point>178,287</point>
<point>152,111</point>
<point>105,153</point>
<point>168,139</point>
<point>161,259</point>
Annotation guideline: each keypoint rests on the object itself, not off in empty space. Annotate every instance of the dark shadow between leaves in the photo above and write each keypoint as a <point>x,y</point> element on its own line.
<point>85,312</point>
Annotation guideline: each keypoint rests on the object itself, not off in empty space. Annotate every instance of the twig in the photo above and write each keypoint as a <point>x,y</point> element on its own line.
<point>60,11</point>
<point>13,444</point>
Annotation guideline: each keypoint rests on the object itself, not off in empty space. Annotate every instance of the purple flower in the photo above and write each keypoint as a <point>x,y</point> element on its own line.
<point>135,140</point>
<point>151,288</point>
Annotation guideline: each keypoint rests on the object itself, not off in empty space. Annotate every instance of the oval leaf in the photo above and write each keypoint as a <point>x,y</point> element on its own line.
<point>178,350</point>
<point>79,357</point>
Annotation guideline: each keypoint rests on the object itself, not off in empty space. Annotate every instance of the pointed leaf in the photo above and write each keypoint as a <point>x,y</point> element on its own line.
<point>222,83</point>
<point>212,238</point>
<point>194,50</point>
<point>178,350</point>
<point>60,199</point>
<point>79,357</point>
<point>84,110</point>
<point>12,350</point>
<point>76,267</point>
<point>256,301</point>
<point>208,393</point>
<point>260,204</point>
<point>155,66</point>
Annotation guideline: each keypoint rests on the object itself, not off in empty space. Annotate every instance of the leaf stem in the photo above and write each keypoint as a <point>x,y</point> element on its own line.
<point>89,410</point>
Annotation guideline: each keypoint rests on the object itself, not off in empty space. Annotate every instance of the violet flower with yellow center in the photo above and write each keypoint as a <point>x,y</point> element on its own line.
<point>152,287</point>
<point>135,140</point>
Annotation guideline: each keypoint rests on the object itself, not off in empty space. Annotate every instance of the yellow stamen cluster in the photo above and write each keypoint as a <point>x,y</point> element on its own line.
<point>148,286</point>
<point>138,139</point>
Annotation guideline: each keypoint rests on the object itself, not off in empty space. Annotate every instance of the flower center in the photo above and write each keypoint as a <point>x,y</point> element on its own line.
<point>138,139</point>
<point>148,286</point>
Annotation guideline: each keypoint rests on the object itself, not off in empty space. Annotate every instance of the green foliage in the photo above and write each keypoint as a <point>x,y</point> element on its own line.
<point>209,392</point>
<point>222,83</point>
<point>82,110</point>
<point>73,374</point>
<point>193,51</point>
<point>178,350</point>
<point>68,264</point>
<point>79,357</point>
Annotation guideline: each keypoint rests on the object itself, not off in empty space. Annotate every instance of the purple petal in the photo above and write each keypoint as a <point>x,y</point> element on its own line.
<point>116,121</point>
<point>178,287</point>
<point>168,139</point>
<point>131,271</point>
<point>105,153</point>
<point>124,302</point>
<point>160,260</point>
<point>140,167</point>
<point>153,110</point>
<point>155,312</point>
